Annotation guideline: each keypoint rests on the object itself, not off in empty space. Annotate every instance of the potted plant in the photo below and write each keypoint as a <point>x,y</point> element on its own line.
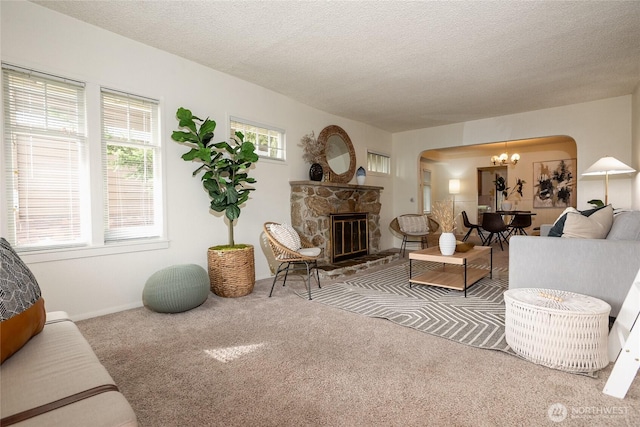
<point>506,204</point>
<point>312,153</point>
<point>225,176</point>
<point>501,189</point>
<point>517,188</point>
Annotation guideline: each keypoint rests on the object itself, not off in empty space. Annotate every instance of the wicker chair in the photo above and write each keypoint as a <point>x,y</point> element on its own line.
<point>304,258</point>
<point>471,227</point>
<point>429,225</point>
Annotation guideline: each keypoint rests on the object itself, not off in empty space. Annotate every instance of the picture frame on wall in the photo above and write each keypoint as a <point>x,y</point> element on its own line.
<point>554,184</point>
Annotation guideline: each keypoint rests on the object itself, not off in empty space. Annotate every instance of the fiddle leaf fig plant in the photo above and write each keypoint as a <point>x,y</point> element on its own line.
<point>225,164</point>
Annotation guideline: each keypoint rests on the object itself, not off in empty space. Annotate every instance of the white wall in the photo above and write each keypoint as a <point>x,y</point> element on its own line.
<point>599,128</point>
<point>37,38</point>
<point>636,146</point>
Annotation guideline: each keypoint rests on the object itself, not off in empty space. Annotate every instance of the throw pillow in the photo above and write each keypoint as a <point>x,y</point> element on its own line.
<point>22,312</point>
<point>413,224</point>
<point>626,226</point>
<point>287,236</point>
<point>558,226</point>
<point>594,226</point>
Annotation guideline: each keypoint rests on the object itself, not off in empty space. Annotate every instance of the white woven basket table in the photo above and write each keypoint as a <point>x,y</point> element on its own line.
<point>559,329</point>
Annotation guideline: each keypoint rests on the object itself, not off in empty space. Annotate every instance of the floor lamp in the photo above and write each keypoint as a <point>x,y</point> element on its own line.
<point>607,166</point>
<point>454,188</point>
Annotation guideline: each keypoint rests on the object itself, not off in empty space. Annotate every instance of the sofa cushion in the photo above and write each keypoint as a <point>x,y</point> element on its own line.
<point>22,312</point>
<point>56,364</point>
<point>558,226</point>
<point>594,226</point>
<point>626,226</point>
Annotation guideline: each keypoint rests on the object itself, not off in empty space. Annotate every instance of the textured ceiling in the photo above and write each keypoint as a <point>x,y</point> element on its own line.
<point>397,65</point>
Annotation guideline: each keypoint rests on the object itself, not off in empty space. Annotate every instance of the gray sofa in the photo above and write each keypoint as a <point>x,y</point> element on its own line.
<point>57,380</point>
<point>602,268</point>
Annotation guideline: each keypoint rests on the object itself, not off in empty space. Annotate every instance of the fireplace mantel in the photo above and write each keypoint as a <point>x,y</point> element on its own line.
<point>312,203</point>
<point>335,185</point>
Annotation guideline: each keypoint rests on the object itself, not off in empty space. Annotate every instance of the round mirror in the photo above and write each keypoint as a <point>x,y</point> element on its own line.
<point>339,155</point>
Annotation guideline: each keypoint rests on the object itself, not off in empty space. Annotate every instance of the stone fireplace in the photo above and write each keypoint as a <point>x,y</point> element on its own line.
<point>313,203</point>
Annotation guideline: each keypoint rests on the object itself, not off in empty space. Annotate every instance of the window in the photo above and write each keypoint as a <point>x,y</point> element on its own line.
<point>377,162</point>
<point>61,185</point>
<point>426,191</point>
<point>45,157</point>
<point>269,141</point>
<point>131,150</point>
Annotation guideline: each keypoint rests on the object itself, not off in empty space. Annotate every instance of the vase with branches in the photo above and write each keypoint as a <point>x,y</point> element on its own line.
<point>443,213</point>
<point>312,153</point>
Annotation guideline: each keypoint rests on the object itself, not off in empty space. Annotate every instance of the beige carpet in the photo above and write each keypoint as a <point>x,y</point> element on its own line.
<point>285,361</point>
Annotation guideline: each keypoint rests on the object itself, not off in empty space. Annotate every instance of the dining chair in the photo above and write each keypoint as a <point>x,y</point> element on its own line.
<point>292,252</point>
<point>471,227</point>
<point>518,224</point>
<point>493,223</point>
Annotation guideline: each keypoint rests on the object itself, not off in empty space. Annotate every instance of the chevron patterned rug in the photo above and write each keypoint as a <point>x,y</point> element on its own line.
<point>477,320</point>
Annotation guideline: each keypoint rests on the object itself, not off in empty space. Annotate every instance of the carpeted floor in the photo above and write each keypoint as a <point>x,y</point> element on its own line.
<point>287,361</point>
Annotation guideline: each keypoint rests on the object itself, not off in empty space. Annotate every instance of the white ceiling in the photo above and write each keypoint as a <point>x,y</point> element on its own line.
<point>397,65</point>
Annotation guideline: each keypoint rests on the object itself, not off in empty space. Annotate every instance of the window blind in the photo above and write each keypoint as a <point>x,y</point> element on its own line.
<point>269,141</point>
<point>45,154</point>
<point>131,159</point>
<point>377,162</point>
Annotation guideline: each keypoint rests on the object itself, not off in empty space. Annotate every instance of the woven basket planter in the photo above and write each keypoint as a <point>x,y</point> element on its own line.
<point>232,272</point>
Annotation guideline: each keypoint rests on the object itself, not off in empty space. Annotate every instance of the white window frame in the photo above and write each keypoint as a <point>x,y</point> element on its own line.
<point>424,186</point>
<point>44,124</point>
<point>378,163</point>
<point>238,123</point>
<point>146,140</point>
<point>92,186</point>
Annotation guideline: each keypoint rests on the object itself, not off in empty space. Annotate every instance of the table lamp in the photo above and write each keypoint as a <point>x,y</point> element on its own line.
<point>607,166</point>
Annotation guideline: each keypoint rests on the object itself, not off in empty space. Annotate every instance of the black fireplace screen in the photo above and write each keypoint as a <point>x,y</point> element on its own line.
<point>349,235</point>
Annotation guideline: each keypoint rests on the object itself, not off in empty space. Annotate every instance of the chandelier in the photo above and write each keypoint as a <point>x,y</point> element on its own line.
<point>503,158</point>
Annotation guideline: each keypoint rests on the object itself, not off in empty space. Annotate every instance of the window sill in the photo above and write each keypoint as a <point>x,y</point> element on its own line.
<point>91,251</point>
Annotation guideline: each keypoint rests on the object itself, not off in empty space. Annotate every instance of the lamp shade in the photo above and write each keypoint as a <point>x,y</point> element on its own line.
<point>454,186</point>
<point>608,166</point>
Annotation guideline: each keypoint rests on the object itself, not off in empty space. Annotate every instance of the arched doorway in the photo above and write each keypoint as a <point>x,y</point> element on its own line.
<point>465,162</point>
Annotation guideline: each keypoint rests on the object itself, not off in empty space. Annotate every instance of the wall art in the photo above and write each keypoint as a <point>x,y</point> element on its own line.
<point>554,184</point>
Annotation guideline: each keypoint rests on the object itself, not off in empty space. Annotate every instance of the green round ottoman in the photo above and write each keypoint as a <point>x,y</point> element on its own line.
<point>176,288</point>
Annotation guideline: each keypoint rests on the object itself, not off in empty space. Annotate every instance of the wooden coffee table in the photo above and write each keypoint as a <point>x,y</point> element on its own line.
<point>455,272</point>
